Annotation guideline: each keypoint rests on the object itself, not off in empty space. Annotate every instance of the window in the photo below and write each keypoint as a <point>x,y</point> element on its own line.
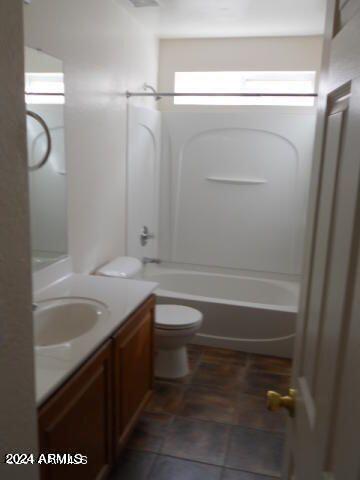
<point>39,84</point>
<point>245,82</point>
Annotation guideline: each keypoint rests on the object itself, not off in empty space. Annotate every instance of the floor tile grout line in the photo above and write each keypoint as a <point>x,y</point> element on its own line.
<point>191,460</point>
<point>192,382</point>
<point>148,476</point>
<point>223,467</point>
<point>197,419</point>
<point>251,355</point>
<point>237,390</point>
<point>239,382</point>
<point>201,420</point>
<point>229,424</point>
<point>222,472</point>
<point>227,444</point>
<point>270,477</point>
<point>231,427</point>
<point>209,385</point>
<point>248,364</point>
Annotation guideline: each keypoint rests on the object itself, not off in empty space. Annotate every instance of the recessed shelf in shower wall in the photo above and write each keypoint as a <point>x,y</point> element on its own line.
<point>239,181</point>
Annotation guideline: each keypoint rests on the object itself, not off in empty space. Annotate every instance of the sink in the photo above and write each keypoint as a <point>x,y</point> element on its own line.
<point>61,320</point>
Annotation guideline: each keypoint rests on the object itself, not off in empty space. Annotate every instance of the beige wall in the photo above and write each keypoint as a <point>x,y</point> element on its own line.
<point>105,52</point>
<point>17,396</point>
<point>229,54</point>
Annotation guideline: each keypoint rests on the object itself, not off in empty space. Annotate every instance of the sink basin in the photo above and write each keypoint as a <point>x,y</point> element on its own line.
<point>59,321</point>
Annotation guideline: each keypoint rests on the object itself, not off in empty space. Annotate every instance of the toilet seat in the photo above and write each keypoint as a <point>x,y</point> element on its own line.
<point>176,317</point>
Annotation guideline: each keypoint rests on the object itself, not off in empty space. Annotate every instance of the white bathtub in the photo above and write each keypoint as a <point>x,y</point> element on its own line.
<point>244,313</point>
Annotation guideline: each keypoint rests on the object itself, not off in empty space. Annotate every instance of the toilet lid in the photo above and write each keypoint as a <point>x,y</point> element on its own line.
<point>176,316</point>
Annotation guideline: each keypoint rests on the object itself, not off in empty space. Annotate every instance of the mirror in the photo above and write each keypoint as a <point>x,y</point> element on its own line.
<point>45,99</point>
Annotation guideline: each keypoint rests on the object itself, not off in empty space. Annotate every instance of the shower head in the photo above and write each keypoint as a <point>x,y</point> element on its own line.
<point>149,87</point>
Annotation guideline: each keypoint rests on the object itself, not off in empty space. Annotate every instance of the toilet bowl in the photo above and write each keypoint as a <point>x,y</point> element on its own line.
<point>175,325</point>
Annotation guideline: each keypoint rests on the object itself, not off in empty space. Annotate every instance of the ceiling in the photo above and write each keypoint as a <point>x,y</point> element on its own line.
<point>231,18</point>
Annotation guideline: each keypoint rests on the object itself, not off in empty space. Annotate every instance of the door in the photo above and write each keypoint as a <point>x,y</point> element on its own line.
<point>133,351</point>
<point>84,402</point>
<point>143,180</point>
<point>323,436</point>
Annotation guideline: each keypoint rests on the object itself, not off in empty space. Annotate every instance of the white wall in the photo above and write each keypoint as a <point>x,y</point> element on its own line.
<point>105,52</point>
<point>232,54</point>
<point>17,397</point>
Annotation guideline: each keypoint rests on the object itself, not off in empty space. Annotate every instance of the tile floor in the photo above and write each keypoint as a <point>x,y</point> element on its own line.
<point>213,424</point>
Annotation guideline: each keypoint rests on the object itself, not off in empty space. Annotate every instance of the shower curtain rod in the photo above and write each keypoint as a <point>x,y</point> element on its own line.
<point>177,94</point>
<point>41,94</point>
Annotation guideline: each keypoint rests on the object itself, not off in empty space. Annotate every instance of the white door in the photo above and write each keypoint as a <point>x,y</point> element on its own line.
<point>143,180</point>
<point>323,436</point>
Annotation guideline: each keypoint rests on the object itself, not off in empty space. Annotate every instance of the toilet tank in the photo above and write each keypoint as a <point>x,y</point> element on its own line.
<point>122,267</point>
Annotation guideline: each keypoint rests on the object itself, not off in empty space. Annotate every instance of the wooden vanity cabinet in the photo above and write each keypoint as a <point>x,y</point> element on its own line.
<point>94,412</point>
<point>78,419</point>
<point>133,351</point>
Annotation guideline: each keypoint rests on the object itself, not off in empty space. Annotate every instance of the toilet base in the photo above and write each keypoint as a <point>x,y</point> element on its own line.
<point>171,363</point>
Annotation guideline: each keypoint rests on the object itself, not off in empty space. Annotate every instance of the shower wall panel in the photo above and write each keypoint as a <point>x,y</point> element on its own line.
<point>144,137</point>
<point>234,189</point>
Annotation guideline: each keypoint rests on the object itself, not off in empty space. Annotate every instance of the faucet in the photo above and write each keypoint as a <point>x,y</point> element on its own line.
<point>145,235</point>
<point>147,260</point>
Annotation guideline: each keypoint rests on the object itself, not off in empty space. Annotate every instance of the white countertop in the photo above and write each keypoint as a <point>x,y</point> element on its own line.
<point>122,297</point>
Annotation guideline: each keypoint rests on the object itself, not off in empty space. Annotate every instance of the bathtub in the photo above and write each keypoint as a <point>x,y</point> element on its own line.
<point>250,314</point>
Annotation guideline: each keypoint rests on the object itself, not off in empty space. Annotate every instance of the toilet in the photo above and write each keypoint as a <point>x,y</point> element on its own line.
<point>175,325</point>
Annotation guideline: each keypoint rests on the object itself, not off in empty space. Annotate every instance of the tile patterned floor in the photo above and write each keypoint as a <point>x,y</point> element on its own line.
<point>213,424</point>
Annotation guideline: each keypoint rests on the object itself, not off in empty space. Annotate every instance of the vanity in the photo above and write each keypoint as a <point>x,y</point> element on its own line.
<point>91,388</point>
<point>94,336</point>
<point>95,410</point>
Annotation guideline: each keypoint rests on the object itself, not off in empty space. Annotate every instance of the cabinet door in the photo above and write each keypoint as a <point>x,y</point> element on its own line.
<point>133,369</point>
<point>78,419</point>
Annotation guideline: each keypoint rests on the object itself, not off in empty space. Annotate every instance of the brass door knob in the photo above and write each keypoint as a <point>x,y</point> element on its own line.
<point>275,401</point>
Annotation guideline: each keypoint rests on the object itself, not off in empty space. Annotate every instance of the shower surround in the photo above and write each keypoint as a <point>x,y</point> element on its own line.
<point>233,193</point>
<point>234,189</point>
